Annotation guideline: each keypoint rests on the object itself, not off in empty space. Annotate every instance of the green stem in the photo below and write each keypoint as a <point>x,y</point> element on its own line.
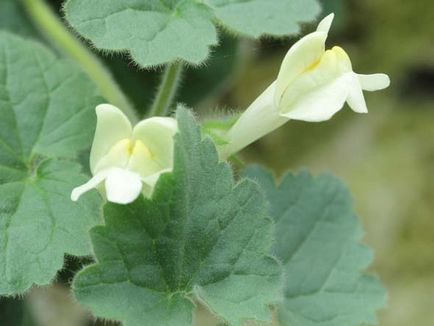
<point>53,27</point>
<point>167,91</point>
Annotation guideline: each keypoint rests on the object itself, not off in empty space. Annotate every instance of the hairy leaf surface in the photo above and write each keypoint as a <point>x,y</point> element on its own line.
<point>317,239</point>
<point>156,32</point>
<point>258,17</point>
<point>47,116</point>
<point>201,237</point>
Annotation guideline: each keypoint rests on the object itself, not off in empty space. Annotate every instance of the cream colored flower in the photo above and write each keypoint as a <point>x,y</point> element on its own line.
<point>128,160</point>
<point>312,85</point>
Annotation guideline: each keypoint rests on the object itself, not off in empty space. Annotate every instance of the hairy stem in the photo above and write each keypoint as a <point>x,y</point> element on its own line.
<point>53,27</point>
<point>168,88</point>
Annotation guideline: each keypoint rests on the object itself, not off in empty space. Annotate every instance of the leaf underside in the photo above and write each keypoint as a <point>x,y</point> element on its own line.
<point>201,238</point>
<point>46,109</point>
<point>318,241</point>
<point>156,32</point>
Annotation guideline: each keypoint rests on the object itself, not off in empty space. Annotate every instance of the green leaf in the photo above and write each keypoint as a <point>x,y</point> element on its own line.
<point>13,18</point>
<point>258,17</point>
<point>201,238</point>
<point>46,109</point>
<point>317,239</point>
<point>156,32</point>
<point>153,31</point>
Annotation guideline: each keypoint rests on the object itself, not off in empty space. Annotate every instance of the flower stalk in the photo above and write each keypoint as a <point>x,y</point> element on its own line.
<point>168,88</point>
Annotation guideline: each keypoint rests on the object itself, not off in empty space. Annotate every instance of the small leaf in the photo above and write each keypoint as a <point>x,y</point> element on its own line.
<point>156,32</point>
<point>317,239</point>
<point>201,238</point>
<point>47,116</point>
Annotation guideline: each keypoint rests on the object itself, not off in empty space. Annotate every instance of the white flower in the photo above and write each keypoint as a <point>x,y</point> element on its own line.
<point>128,160</point>
<point>313,84</point>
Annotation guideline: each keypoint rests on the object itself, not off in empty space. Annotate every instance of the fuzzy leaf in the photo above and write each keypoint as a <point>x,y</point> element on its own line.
<point>201,237</point>
<point>13,18</point>
<point>258,17</point>
<point>47,115</point>
<point>156,32</point>
<point>317,239</point>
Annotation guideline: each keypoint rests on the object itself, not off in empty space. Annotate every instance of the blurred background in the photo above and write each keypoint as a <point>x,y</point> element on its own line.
<point>385,157</point>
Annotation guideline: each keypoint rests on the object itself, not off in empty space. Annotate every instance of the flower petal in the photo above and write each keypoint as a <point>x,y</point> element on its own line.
<point>117,156</point>
<point>142,161</point>
<point>157,135</point>
<point>151,180</point>
<point>374,82</point>
<point>321,103</point>
<point>333,64</point>
<point>112,126</point>
<point>325,24</point>
<point>303,55</point>
<point>91,184</point>
<point>355,99</point>
<point>122,186</point>
<point>260,118</point>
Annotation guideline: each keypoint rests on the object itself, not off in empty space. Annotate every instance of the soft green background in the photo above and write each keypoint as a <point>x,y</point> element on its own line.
<point>386,157</point>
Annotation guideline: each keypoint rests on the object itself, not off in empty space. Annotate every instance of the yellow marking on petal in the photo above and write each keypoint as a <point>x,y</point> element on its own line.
<point>130,147</point>
<point>117,156</point>
<point>133,147</point>
<point>312,66</point>
<point>142,161</point>
<point>138,146</point>
<point>122,145</point>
